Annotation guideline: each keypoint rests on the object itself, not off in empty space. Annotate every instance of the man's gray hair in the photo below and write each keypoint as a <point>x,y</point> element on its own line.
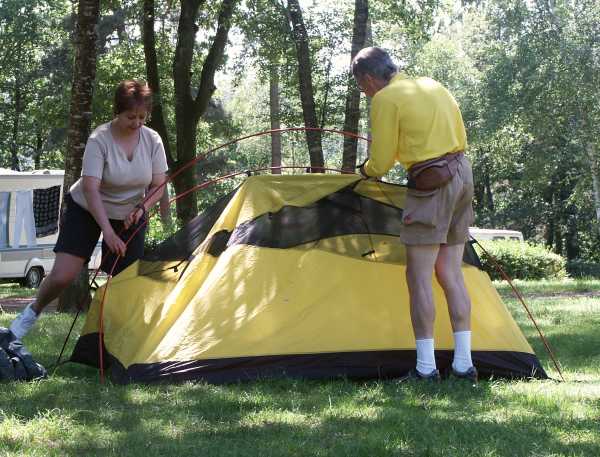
<point>374,61</point>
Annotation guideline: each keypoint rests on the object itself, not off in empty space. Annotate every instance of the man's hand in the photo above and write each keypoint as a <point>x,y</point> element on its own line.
<point>361,169</point>
<point>114,243</point>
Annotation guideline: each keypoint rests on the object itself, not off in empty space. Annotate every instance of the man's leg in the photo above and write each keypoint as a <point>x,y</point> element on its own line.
<point>66,268</point>
<point>420,261</point>
<point>449,274</point>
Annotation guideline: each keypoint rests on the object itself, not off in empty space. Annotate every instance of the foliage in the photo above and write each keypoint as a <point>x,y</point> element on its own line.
<point>34,79</point>
<point>158,231</point>
<point>520,260</point>
<point>541,76</point>
<point>526,75</point>
<point>578,268</point>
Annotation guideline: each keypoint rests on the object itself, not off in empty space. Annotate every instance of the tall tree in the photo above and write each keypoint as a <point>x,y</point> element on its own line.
<point>192,102</point>
<point>30,42</point>
<point>157,118</point>
<point>274,114</point>
<point>546,75</point>
<point>268,43</point>
<point>313,137</point>
<point>352,113</point>
<point>80,120</point>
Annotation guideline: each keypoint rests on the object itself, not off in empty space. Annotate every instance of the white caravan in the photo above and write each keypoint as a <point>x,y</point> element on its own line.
<point>495,234</point>
<point>29,213</point>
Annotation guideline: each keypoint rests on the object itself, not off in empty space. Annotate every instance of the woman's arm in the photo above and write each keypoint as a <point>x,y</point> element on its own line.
<point>157,180</point>
<point>91,192</point>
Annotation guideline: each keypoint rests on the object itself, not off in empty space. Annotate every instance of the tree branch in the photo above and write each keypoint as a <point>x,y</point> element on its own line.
<point>157,120</point>
<point>214,58</point>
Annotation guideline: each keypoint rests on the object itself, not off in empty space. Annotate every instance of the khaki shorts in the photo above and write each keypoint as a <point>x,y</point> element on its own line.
<point>440,216</point>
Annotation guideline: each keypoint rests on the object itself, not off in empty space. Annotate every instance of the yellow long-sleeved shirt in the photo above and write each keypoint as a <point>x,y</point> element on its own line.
<point>413,120</point>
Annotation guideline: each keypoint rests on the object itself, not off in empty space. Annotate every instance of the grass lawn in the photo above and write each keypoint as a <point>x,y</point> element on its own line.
<point>14,290</point>
<point>72,414</point>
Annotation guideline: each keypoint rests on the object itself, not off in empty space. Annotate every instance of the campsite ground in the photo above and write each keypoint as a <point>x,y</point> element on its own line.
<point>72,414</point>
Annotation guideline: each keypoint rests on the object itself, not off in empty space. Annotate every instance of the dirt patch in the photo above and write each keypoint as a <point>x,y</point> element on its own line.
<point>589,294</point>
<point>15,305</point>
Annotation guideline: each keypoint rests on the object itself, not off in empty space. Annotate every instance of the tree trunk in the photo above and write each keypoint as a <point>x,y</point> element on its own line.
<point>80,119</point>
<point>274,111</point>
<point>352,112</point>
<point>14,147</point>
<point>591,150</point>
<point>157,119</point>
<point>189,110</point>
<point>326,90</point>
<point>313,137</point>
<point>369,42</point>
<point>39,144</point>
<point>489,196</point>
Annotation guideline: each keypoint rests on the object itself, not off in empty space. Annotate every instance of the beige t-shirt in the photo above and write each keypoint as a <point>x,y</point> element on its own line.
<point>123,182</point>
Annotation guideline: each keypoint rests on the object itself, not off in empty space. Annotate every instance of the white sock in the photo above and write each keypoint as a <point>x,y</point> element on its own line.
<point>425,356</point>
<point>462,351</point>
<point>23,322</point>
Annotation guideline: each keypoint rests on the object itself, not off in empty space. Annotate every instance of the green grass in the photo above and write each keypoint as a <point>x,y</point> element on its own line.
<point>72,414</point>
<point>550,287</point>
<point>14,290</point>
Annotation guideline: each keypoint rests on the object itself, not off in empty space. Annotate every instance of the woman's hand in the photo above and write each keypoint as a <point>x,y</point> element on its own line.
<point>133,217</point>
<point>114,243</point>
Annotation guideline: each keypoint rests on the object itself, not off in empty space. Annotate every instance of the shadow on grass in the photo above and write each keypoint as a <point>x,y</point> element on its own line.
<point>293,417</point>
<point>71,414</point>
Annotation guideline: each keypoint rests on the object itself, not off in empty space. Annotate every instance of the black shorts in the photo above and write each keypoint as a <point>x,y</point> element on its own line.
<point>79,233</point>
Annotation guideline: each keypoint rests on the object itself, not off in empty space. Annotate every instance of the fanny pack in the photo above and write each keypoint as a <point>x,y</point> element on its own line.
<point>435,173</point>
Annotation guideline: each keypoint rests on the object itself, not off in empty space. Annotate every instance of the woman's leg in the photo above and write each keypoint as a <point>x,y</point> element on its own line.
<point>66,268</point>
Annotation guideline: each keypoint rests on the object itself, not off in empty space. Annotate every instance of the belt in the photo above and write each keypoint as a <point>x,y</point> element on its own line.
<point>456,155</point>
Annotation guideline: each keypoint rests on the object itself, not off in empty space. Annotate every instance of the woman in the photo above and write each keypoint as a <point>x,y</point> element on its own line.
<point>122,160</point>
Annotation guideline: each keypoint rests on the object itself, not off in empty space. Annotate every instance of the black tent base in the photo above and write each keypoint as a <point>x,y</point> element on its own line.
<point>352,365</point>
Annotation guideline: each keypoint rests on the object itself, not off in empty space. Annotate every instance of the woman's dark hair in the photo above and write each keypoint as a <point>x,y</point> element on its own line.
<point>131,94</point>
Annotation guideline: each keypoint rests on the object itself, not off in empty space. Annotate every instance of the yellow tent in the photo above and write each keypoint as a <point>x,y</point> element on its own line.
<point>299,275</point>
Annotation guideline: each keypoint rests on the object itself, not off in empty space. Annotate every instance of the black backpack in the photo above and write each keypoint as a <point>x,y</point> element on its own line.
<point>16,363</point>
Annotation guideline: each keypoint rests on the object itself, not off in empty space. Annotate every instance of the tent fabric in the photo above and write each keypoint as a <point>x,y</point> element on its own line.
<point>288,275</point>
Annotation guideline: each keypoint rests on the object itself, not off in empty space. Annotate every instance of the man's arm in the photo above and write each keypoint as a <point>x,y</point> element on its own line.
<point>385,131</point>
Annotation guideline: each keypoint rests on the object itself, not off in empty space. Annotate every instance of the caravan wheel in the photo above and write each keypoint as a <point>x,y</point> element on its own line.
<point>33,278</point>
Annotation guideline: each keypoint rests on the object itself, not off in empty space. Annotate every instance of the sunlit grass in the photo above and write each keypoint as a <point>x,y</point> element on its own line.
<point>15,290</point>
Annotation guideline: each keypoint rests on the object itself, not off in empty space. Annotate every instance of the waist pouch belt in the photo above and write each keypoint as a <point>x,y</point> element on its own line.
<point>435,173</point>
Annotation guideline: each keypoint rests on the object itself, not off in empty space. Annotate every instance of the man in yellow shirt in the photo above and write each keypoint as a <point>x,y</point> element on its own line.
<point>413,121</point>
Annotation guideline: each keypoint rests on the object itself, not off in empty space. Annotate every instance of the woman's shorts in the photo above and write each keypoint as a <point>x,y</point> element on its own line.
<point>440,216</point>
<point>79,233</point>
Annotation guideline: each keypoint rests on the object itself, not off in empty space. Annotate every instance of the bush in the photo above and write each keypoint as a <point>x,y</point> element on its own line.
<point>579,268</point>
<point>521,260</point>
<point>156,232</point>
